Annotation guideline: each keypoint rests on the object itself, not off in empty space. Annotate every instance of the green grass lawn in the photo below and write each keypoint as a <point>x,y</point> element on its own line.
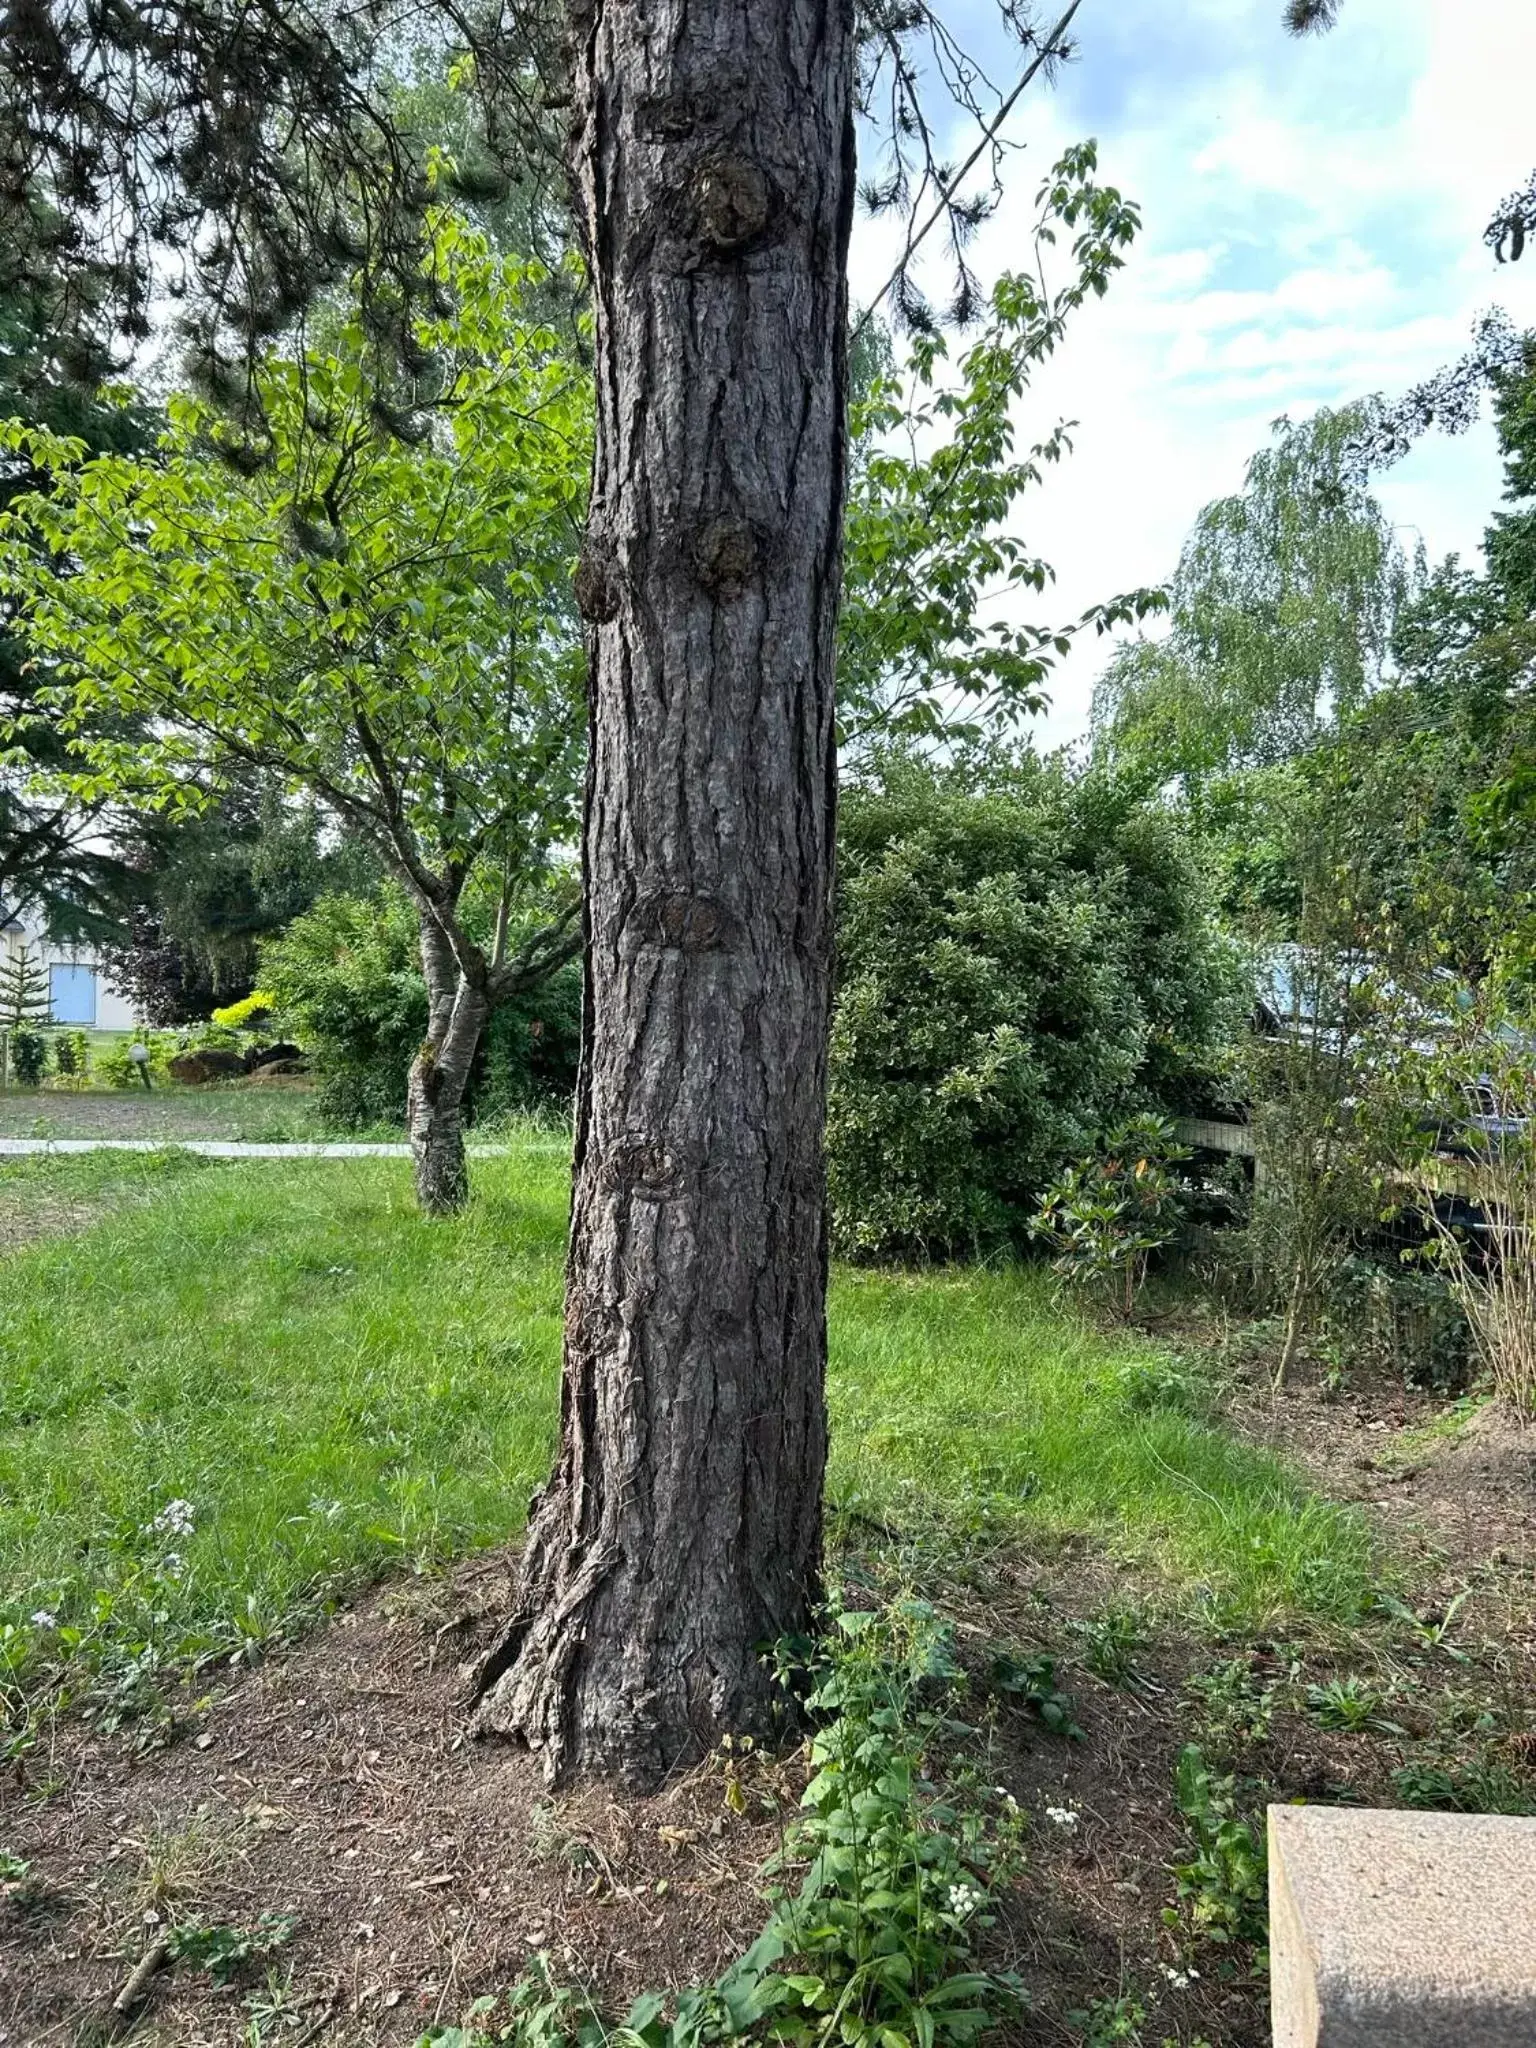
<point>334,1388</point>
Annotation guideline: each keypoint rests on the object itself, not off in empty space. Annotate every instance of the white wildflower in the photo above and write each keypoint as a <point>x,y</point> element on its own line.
<point>43,1619</point>
<point>964,1899</point>
<point>176,1518</point>
<point>1179,1979</point>
<point>173,1565</point>
<point>1062,1817</point>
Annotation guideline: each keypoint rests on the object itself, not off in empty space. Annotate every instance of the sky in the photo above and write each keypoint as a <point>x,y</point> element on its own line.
<point>1313,215</point>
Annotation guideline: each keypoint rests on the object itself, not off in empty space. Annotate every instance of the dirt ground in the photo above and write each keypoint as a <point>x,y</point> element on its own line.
<point>335,1784</point>
<point>168,1113</point>
<point>29,1212</point>
<point>1459,1480</point>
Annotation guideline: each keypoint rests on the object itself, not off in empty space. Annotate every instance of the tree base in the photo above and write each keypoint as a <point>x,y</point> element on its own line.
<point>594,1679</point>
<point>440,1168</point>
<point>439,1163</point>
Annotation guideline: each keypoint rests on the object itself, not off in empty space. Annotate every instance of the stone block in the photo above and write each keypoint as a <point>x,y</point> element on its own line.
<point>1401,1930</point>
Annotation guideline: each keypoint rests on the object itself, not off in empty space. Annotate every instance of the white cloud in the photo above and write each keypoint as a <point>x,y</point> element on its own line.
<point>1314,215</point>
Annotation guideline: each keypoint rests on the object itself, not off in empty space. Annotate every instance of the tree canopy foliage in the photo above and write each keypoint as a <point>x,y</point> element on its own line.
<point>371,607</point>
<point>211,886</point>
<point>929,640</point>
<point>1283,609</point>
<point>1352,735</point>
<point>250,157</point>
<point>56,854</point>
<point>366,598</point>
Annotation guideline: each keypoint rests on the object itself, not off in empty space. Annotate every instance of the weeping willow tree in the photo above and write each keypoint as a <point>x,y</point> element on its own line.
<point>1283,609</point>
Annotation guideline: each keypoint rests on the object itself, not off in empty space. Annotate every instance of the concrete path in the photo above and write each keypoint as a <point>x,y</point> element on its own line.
<point>221,1148</point>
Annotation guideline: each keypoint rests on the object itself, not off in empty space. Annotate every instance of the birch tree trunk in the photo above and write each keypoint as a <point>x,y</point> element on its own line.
<point>456,1016</point>
<point>681,1528</point>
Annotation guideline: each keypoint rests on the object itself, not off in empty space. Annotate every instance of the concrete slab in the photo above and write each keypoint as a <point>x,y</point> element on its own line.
<point>1401,1930</point>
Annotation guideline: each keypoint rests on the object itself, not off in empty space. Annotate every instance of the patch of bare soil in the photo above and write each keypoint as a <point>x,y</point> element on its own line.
<point>335,1784</point>
<point>30,1213</point>
<point>165,1113</point>
<point>1452,1486</point>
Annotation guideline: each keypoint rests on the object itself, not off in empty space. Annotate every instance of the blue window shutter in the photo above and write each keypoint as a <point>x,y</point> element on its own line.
<point>72,994</point>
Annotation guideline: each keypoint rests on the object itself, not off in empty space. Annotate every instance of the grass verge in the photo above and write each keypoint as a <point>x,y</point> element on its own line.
<point>251,1386</point>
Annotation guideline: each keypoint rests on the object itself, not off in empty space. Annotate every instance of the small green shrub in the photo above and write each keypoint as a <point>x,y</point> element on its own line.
<point>1108,2021</point>
<point>119,1071</point>
<point>1235,1704</point>
<point>72,1056</point>
<point>883,1927</point>
<point>251,1013</point>
<point>1104,1217</point>
<point>1110,1643</point>
<point>1402,1316</point>
<point>224,1951</point>
<point>1030,1682</point>
<point>1163,1383</point>
<point>28,1054</point>
<point>1352,1705</point>
<point>346,976</point>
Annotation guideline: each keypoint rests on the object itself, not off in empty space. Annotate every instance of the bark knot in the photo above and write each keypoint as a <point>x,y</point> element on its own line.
<point>733,200</point>
<point>596,585</point>
<point>725,555</point>
<point>643,1166</point>
<point>694,923</point>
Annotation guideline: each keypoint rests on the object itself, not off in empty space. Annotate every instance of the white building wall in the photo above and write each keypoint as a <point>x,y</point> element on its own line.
<point>82,985</point>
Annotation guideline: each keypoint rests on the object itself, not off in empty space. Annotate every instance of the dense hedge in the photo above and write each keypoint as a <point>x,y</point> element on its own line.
<point>347,980</point>
<point>1025,957</point>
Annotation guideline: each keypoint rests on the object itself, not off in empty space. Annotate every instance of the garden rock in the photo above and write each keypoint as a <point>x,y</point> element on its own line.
<point>207,1063</point>
<point>264,1055</point>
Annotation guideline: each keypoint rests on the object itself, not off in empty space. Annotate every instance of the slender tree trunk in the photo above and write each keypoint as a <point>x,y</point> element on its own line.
<point>682,1526</point>
<point>456,1016</point>
<point>1295,1325</point>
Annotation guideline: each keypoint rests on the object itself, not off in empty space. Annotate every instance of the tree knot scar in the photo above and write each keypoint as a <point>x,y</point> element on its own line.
<point>677,917</point>
<point>592,1327</point>
<point>670,116</point>
<point>732,198</point>
<point>596,585</point>
<point>725,555</point>
<point>643,1167</point>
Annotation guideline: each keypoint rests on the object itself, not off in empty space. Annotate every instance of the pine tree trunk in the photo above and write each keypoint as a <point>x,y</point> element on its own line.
<point>682,1526</point>
<point>456,1015</point>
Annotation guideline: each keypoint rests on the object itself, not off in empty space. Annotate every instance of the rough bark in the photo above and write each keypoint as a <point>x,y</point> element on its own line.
<point>681,1528</point>
<point>456,1015</point>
